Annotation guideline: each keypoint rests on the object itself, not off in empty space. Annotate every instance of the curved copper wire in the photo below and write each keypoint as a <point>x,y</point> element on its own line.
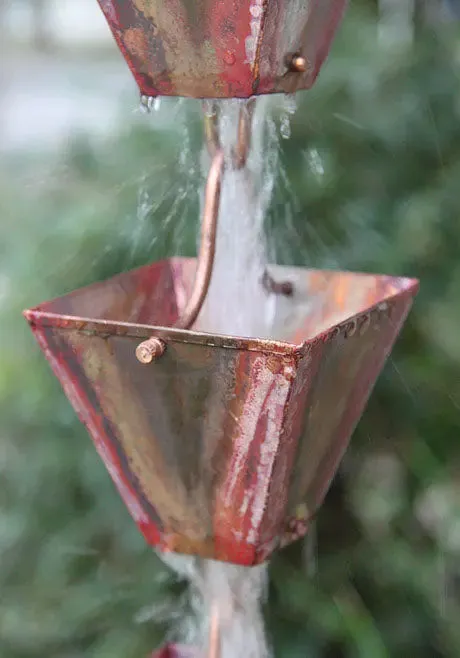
<point>208,243</point>
<point>239,159</point>
<point>148,350</point>
<point>214,634</point>
<point>243,143</point>
<point>211,207</point>
<point>211,131</point>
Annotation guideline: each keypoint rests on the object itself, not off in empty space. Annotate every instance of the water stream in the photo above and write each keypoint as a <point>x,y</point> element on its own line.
<point>237,304</point>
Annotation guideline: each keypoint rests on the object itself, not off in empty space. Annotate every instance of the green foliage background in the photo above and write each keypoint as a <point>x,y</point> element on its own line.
<point>76,579</point>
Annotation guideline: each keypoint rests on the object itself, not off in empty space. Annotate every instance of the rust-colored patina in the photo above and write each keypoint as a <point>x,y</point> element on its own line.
<point>223,48</point>
<point>224,446</point>
<point>175,651</point>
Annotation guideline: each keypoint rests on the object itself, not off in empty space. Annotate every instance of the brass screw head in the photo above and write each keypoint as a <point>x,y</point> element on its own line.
<point>150,350</point>
<point>299,64</point>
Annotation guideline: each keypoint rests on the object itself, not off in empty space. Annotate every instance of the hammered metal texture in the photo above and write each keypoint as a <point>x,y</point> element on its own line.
<point>220,48</point>
<point>224,447</point>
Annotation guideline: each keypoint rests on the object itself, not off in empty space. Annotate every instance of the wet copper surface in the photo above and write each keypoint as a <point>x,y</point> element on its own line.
<point>216,49</point>
<point>176,651</point>
<point>225,446</point>
<point>150,349</point>
<point>207,250</point>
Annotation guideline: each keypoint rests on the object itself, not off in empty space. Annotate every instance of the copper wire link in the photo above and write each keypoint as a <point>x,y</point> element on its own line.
<point>214,648</point>
<point>239,159</point>
<point>243,143</point>
<point>208,243</point>
<point>148,350</point>
<point>211,131</point>
<point>153,348</point>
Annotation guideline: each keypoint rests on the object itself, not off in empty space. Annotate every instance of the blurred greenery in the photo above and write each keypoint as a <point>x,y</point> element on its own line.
<point>76,579</point>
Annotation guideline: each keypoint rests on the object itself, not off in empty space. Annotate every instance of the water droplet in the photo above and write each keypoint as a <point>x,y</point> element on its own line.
<point>144,104</point>
<point>149,102</point>
<point>229,57</point>
<point>209,108</point>
<point>315,162</point>
<point>290,103</point>
<point>182,158</point>
<point>285,127</point>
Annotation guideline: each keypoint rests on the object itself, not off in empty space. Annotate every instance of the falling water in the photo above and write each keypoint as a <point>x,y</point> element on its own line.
<point>235,594</point>
<point>290,106</point>
<point>236,304</point>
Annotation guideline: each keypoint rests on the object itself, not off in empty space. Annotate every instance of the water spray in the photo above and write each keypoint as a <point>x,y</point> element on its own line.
<point>221,446</point>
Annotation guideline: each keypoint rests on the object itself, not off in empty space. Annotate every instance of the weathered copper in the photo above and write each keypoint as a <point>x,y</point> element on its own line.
<point>214,649</point>
<point>225,446</point>
<point>243,138</point>
<point>243,142</point>
<point>150,349</point>
<point>207,251</point>
<point>223,49</point>
<point>175,651</point>
<point>211,129</point>
<point>298,64</point>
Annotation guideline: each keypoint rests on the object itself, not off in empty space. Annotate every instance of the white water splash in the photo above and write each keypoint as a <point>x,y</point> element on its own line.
<point>236,593</point>
<point>289,109</point>
<point>236,303</point>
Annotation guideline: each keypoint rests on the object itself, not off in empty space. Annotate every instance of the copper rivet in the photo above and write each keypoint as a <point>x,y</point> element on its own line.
<point>299,64</point>
<point>350,329</point>
<point>285,288</point>
<point>364,324</point>
<point>334,333</point>
<point>149,350</point>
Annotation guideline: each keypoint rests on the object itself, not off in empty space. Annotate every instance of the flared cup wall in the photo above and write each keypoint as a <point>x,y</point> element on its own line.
<point>223,447</point>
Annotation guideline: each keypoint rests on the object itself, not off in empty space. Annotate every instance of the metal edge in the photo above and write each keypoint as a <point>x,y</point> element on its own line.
<point>383,305</point>
<point>104,328</point>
